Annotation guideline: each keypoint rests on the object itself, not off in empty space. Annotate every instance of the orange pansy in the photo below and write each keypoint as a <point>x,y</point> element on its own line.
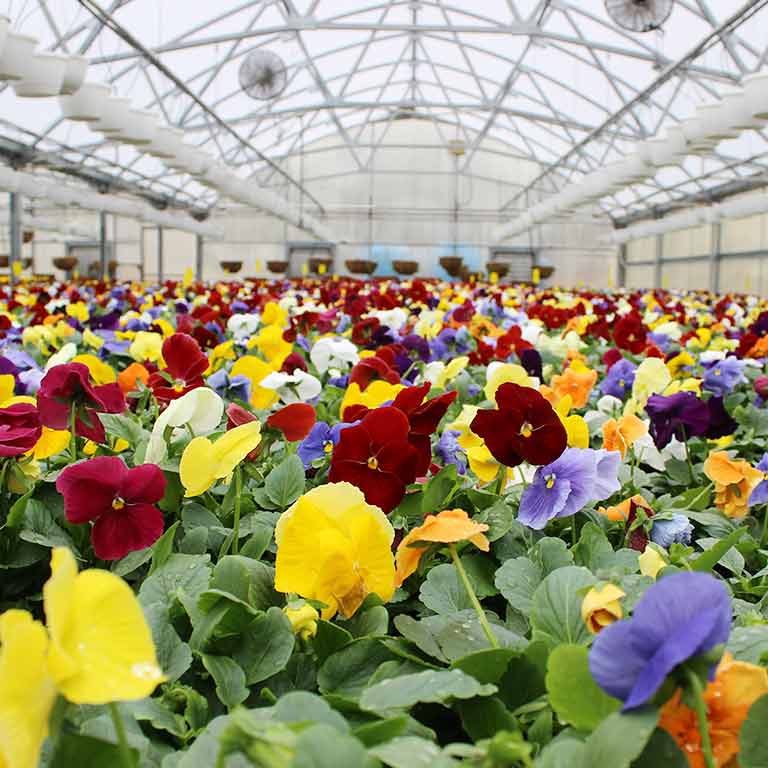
<point>737,685</point>
<point>734,481</point>
<point>577,381</point>
<point>620,512</point>
<point>127,379</point>
<point>446,527</point>
<point>620,435</point>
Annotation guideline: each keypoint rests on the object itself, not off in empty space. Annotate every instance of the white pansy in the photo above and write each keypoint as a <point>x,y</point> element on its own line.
<point>333,353</point>
<point>648,453</point>
<point>711,356</point>
<point>64,355</point>
<point>297,387</point>
<point>394,319</point>
<point>669,329</point>
<point>200,410</point>
<point>242,326</point>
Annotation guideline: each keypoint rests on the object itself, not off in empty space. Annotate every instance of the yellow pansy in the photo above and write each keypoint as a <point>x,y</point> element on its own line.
<point>92,340</point>
<point>575,426</point>
<point>451,371</point>
<point>166,328</point>
<point>274,314</point>
<point>101,649</point>
<point>147,346</point>
<point>303,620</point>
<point>101,372</point>
<point>78,310</point>
<point>503,374</point>
<point>467,438</point>
<point>334,547</point>
<point>256,370</point>
<point>220,354</point>
<point>203,462</point>
<point>482,463</point>
<point>679,363</point>
<point>652,376</point>
<point>7,385</point>
<point>270,342</point>
<point>700,340</point>
<point>602,607</point>
<point>683,385</point>
<point>39,336</point>
<point>374,395</point>
<point>28,690</point>
<point>651,561</point>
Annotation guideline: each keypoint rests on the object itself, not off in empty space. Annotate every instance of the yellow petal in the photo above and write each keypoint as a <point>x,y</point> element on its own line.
<point>197,467</point>
<point>51,442</point>
<point>503,374</point>
<point>233,446</point>
<point>651,562</point>
<point>101,646</point>
<point>28,691</point>
<point>7,384</point>
<point>256,370</point>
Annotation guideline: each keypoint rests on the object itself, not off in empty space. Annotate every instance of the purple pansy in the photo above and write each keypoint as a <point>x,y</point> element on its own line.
<point>619,379</point>
<point>681,616</point>
<point>720,421</point>
<point>230,387</point>
<point>320,442</point>
<point>681,415</point>
<point>449,451</point>
<point>676,530</point>
<point>723,375</point>
<point>759,493</point>
<point>562,488</point>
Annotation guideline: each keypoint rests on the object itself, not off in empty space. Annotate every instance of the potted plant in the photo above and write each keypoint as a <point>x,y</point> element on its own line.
<point>317,261</point>
<point>406,267</point>
<point>501,268</point>
<point>361,266</point>
<point>65,263</point>
<point>279,266</point>
<point>452,265</point>
<point>231,267</point>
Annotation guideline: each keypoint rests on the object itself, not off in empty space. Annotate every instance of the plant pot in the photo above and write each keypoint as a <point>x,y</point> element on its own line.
<point>280,267</point>
<point>74,74</point>
<point>113,115</point>
<point>139,129</point>
<point>231,267</point>
<point>44,77</point>
<point>87,105</point>
<point>501,268</point>
<point>406,267</point>
<point>361,266</point>
<point>26,262</point>
<point>4,260</point>
<point>452,265</point>
<point>166,142</point>
<point>316,263</point>
<point>17,51</point>
<point>65,263</point>
<point>28,236</point>
<point>545,272</point>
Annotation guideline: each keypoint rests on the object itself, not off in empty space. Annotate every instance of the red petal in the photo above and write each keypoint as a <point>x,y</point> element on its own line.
<point>90,487</point>
<point>383,489</point>
<point>237,416</point>
<point>409,399</point>
<point>386,425</point>
<point>497,429</point>
<point>143,484</point>
<point>425,418</point>
<point>183,357</point>
<point>111,398</point>
<point>119,532</point>
<point>295,421</point>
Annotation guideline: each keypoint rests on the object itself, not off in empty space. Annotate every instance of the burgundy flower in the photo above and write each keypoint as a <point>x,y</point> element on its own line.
<point>371,369</point>
<point>295,421</point>
<point>630,333</point>
<point>120,502</point>
<point>761,386</point>
<point>524,427</point>
<point>20,429</point>
<point>185,365</point>
<point>294,361</point>
<point>66,386</point>
<point>375,455</point>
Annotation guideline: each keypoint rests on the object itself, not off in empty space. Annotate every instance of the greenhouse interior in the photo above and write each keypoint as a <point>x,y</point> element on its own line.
<point>383,384</point>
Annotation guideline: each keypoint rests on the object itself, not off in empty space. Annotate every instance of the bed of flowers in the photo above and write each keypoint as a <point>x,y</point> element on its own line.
<point>359,524</point>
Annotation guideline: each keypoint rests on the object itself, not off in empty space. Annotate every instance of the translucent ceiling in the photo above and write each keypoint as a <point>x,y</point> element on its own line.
<point>537,75</point>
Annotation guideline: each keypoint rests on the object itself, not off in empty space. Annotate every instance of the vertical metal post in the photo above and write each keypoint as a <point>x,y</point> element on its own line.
<point>714,257</point>
<point>103,244</point>
<point>160,266</point>
<point>659,260</point>
<point>621,266</point>
<point>15,234</point>
<point>199,259</point>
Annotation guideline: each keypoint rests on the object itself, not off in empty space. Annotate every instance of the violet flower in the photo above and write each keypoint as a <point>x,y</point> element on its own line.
<point>723,375</point>
<point>681,616</point>
<point>759,493</point>
<point>320,442</point>
<point>619,379</point>
<point>681,415</point>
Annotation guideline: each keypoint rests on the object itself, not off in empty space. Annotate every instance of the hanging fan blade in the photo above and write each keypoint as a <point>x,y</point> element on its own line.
<point>639,15</point>
<point>263,75</point>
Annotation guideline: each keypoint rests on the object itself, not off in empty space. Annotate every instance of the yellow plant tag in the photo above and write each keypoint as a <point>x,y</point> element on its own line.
<point>536,276</point>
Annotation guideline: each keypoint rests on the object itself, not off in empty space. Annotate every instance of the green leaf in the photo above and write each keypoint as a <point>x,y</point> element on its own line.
<point>524,679</point>
<point>438,491</point>
<point>499,518</point>
<point>410,752</point>
<point>593,550</point>
<point>18,508</point>
<point>443,591</point>
<point>709,559</point>
<point>564,753</point>
<point>173,655</point>
<point>753,737</point>
<point>320,746</point>
<point>749,644</point>
<point>330,638</point>
<point>486,666</point>
<point>483,718</point>
<point>347,671</point>
<point>163,547</point>
<point>429,686</point>
<point>305,707</point>
<point>229,678</point>
<point>370,623</point>
<point>249,580</point>
<point>550,554</point>
<point>181,575</point>
<point>265,646</point>
<point>661,750</point>
<point>620,739</point>
<point>122,426</point>
<point>40,527</point>
<point>285,483</point>
<point>381,731</point>
<point>556,610</point>
<point>87,752</point>
<point>517,581</point>
<point>132,562</point>
<point>573,693</point>
<point>732,559</point>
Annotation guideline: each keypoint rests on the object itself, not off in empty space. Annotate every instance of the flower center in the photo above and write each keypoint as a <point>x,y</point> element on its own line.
<point>328,447</point>
<point>622,383</point>
<point>550,481</point>
<point>178,386</point>
<point>373,463</point>
<point>526,430</point>
<point>118,504</point>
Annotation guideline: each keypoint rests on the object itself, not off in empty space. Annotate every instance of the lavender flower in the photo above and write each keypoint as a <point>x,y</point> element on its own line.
<point>723,375</point>
<point>449,451</point>
<point>678,530</point>
<point>681,415</point>
<point>619,379</point>
<point>759,493</point>
<point>320,442</point>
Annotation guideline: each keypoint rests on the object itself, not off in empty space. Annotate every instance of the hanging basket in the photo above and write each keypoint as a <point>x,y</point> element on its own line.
<point>28,236</point>
<point>16,53</point>
<point>4,260</point>
<point>87,105</point>
<point>43,77</point>
<point>279,267</point>
<point>26,262</point>
<point>501,268</point>
<point>545,272</point>
<point>74,74</point>
<point>406,267</point>
<point>65,263</point>
<point>452,265</point>
<point>231,267</point>
<point>316,263</point>
<point>112,116</point>
<point>361,266</point>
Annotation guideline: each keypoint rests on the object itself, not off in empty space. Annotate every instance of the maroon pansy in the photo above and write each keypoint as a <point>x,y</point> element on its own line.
<point>185,364</point>
<point>20,429</point>
<point>295,421</point>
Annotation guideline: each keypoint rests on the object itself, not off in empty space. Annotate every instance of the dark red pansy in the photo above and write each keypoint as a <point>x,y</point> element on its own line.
<point>629,333</point>
<point>524,427</point>
<point>294,361</point>
<point>611,357</point>
<point>376,456</point>
<point>185,364</point>
<point>20,429</point>
<point>295,421</point>
<point>67,386</point>
<point>120,502</point>
<point>371,369</point>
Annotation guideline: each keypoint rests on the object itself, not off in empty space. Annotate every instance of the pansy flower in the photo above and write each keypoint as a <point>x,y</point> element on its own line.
<point>295,421</point>
<point>320,442</point>
<point>734,480</point>
<point>682,415</point>
<point>185,364</point>
<point>20,429</point>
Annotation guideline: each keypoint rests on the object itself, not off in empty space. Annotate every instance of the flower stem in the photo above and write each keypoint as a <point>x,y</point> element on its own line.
<point>501,480</point>
<point>691,473</point>
<point>238,480</point>
<point>473,597</point>
<point>522,476</point>
<point>126,758</point>
<point>701,715</point>
<point>72,432</point>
